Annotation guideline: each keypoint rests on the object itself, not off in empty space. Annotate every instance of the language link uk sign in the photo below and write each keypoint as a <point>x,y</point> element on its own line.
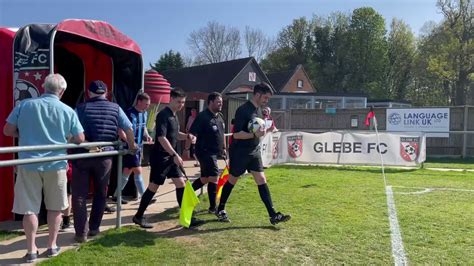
<point>433,121</point>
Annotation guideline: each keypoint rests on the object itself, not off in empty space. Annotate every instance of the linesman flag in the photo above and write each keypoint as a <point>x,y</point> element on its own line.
<point>190,200</point>
<point>222,179</point>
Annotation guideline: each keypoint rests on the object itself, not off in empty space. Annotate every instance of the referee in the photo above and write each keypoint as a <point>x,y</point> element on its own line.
<point>164,160</point>
<point>209,129</point>
<point>245,155</point>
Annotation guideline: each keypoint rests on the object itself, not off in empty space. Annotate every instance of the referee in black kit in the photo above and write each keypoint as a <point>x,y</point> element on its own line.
<point>164,160</point>
<point>244,154</point>
<point>209,129</point>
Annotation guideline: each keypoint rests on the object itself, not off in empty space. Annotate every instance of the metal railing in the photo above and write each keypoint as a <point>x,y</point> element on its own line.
<point>119,152</point>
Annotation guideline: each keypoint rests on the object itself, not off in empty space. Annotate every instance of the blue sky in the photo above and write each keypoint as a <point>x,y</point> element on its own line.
<point>160,25</point>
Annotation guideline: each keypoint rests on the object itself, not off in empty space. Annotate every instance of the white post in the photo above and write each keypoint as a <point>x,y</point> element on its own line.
<point>201,105</point>
<point>464,139</point>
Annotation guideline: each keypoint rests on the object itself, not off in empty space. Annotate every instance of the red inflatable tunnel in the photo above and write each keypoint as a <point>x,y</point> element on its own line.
<point>81,51</point>
<point>6,85</point>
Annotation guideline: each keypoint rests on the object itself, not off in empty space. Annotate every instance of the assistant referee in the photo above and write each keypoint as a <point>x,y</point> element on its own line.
<point>165,162</point>
<point>209,128</point>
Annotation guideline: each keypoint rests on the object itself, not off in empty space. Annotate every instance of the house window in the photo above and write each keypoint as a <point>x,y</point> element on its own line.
<point>252,76</point>
<point>299,84</point>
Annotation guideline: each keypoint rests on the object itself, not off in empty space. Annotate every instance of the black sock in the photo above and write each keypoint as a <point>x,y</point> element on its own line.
<point>266,198</point>
<point>146,199</point>
<point>197,184</point>
<point>212,192</point>
<point>225,195</point>
<point>179,195</point>
<point>66,219</point>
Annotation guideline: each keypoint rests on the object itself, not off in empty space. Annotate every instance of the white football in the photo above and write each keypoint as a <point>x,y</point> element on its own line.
<point>410,150</point>
<point>255,124</point>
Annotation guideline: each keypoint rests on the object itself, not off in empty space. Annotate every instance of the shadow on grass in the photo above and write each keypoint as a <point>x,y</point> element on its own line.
<point>126,237</point>
<point>132,236</point>
<point>179,231</point>
<point>172,215</point>
<point>310,186</point>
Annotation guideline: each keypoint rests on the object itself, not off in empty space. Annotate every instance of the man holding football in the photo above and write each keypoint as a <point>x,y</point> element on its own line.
<point>244,154</point>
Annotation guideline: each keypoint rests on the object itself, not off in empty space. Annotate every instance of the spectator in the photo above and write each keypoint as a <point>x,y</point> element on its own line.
<point>101,120</point>
<point>269,122</point>
<point>43,121</point>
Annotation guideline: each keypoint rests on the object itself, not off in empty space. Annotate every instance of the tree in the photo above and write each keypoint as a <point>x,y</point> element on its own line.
<point>293,47</point>
<point>256,43</point>
<point>297,37</point>
<point>279,60</point>
<point>429,88</point>
<point>445,62</point>
<point>214,43</point>
<point>368,46</point>
<point>330,52</point>
<point>455,60</point>
<point>401,53</point>
<point>169,60</point>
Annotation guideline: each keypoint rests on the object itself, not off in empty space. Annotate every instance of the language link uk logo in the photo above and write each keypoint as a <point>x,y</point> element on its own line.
<point>394,118</point>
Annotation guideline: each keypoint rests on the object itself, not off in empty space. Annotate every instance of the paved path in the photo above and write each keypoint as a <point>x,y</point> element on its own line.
<point>13,250</point>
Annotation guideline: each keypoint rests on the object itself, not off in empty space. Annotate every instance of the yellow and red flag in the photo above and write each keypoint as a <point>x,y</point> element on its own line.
<point>222,179</point>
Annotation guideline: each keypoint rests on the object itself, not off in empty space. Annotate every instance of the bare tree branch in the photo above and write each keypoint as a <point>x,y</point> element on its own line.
<point>214,43</point>
<point>256,43</point>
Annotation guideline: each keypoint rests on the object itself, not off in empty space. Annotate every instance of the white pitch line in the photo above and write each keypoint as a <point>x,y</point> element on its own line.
<point>436,188</point>
<point>426,190</point>
<point>398,252</point>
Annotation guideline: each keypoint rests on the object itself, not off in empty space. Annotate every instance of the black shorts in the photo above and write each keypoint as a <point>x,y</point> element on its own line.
<point>68,187</point>
<point>242,160</point>
<point>192,150</point>
<point>162,168</point>
<point>208,165</point>
<point>131,160</point>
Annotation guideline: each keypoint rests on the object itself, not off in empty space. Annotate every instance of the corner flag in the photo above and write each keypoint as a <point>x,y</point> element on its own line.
<point>222,179</point>
<point>190,200</point>
<point>370,115</point>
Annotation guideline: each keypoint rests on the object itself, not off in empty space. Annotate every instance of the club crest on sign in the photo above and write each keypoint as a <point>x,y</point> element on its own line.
<point>275,140</point>
<point>295,146</point>
<point>409,148</point>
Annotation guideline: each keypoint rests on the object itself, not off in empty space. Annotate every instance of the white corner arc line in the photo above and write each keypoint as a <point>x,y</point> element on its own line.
<point>426,190</point>
<point>398,252</point>
<point>437,188</point>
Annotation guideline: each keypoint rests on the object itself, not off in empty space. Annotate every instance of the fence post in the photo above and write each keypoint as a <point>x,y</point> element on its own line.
<point>464,138</point>
<point>119,186</point>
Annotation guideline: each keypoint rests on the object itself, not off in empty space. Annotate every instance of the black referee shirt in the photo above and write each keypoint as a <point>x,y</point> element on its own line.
<point>243,115</point>
<point>209,129</point>
<point>167,125</point>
